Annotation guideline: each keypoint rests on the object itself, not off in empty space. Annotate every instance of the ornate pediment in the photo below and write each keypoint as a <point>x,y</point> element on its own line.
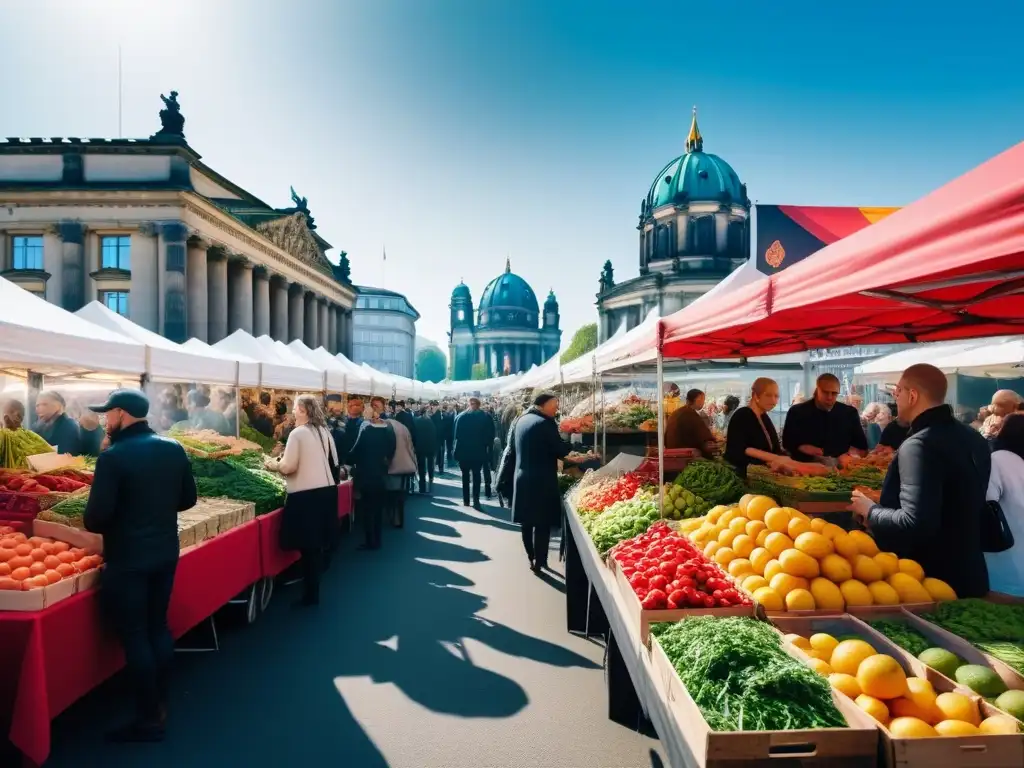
<point>291,233</point>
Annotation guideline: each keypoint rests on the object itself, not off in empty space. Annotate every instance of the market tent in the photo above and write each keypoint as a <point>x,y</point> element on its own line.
<point>275,373</point>
<point>538,377</point>
<point>637,346</point>
<point>166,361</point>
<point>1003,356</point>
<point>339,377</point>
<point>38,335</point>
<point>581,370</point>
<point>948,266</point>
<point>248,369</point>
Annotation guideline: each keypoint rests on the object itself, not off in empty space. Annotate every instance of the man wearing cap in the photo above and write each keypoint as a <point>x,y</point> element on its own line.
<point>141,483</point>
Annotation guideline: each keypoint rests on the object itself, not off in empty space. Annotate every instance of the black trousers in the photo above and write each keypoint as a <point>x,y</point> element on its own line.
<point>487,474</point>
<point>426,467</point>
<point>470,470</point>
<point>312,567</point>
<point>536,539</point>
<point>371,511</point>
<point>440,455</point>
<point>449,443</point>
<point>135,602</point>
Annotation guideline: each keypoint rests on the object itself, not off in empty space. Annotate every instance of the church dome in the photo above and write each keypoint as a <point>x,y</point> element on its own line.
<point>461,292</point>
<point>508,302</point>
<point>695,177</point>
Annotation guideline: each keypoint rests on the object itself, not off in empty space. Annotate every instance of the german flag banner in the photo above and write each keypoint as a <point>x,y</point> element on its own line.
<point>788,234</point>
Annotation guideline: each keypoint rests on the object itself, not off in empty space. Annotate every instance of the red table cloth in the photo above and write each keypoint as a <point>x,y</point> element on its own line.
<point>344,499</point>
<point>53,657</point>
<point>273,559</point>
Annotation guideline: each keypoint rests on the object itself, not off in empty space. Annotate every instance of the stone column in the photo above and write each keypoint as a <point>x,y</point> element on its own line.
<point>217,294</point>
<point>349,335</point>
<point>240,296</point>
<point>323,324</point>
<point>72,280</point>
<point>197,289</point>
<point>296,312</point>
<point>173,236</point>
<point>339,343</point>
<point>279,308</point>
<point>331,342</point>
<point>311,337</point>
<point>260,302</point>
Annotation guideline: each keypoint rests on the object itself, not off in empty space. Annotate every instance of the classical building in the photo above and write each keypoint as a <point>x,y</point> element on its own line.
<point>509,333</point>
<point>157,235</point>
<point>385,331</point>
<point>694,230</point>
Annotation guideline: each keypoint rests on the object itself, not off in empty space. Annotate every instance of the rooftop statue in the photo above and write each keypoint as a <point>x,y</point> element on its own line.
<point>302,206</point>
<point>172,122</point>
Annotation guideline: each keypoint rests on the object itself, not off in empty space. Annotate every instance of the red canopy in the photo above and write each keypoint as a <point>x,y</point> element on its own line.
<point>949,266</point>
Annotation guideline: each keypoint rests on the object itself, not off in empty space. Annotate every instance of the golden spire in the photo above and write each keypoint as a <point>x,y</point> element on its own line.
<point>508,264</point>
<point>694,142</point>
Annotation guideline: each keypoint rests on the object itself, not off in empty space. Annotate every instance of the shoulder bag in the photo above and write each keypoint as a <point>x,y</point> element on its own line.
<point>996,535</point>
<point>332,466</point>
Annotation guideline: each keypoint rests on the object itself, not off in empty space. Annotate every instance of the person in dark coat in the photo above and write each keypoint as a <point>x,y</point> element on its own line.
<point>424,435</point>
<point>536,503</point>
<point>402,415</point>
<point>822,426</point>
<point>448,434</point>
<point>686,428</point>
<point>55,426</point>
<point>437,419</point>
<point>370,458</point>
<point>352,424</point>
<point>933,496</point>
<point>474,434</point>
<point>141,483</point>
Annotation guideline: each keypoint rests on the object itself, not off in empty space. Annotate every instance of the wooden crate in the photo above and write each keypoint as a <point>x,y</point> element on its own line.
<point>642,620</point>
<point>821,748</point>
<point>869,612</point>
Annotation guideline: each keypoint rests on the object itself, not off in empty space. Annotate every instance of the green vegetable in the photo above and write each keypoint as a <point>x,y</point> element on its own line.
<point>255,436</point>
<point>622,520</point>
<point>982,680</point>
<point>907,638</point>
<point>18,444</point>
<point>72,507</point>
<point>232,478</point>
<point>742,680</point>
<point>995,628</point>
<point>1010,653</point>
<point>713,481</point>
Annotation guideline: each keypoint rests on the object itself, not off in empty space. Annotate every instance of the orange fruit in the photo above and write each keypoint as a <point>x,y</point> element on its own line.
<point>51,561</point>
<point>9,583</point>
<point>848,655</point>
<point>24,550</point>
<point>873,707</point>
<point>845,684</point>
<point>911,728</point>
<point>60,546</point>
<point>882,676</point>
<point>52,576</point>
<point>20,561</point>
<point>6,554</point>
<point>20,574</point>
<point>38,554</point>
<point>66,557</point>
<point>37,568</point>
<point>66,569</point>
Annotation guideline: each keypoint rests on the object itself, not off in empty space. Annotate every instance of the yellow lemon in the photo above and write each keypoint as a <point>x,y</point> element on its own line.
<point>883,594</point>
<point>846,546</point>
<point>813,544</point>
<point>769,598</point>
<point>762,537</point>
<point>724,556</point>
<point>831,530</point>
<point>744,500</point>
<point>754,527</point>
<point>911,728</point>
<point>922,694</point>
<point>777,543</point>
<point>818,524</point>
<point>796,563</point>
<point>799,600</point>
<point>757,507</point>
<point>865,544</point>
<point>938,589</point>
<point>865,569</point>
<point>716,512</point>
<point>848,655</point>
<point>799,641</point>
<point>888,562</point>
<point>955,728</point>
<point>784,583</point>
<point>726,536</point>
<point>845,684</point>
<point>873,707</point>
<point>911,568</point>
<point>752,582</point>
<point>957,706</point>
<point>882,676</point>
<point>771,569</point>
<point>740,566</point>
<point>777,519</point>
<point>793,512</point>
<point>907,707</point>
<point>743,545</point>
<point>836,568</point>
<point>827,595</point>
<point>855,592</point>
<point>797,526</point>
<point>909,589</point>
<point>998,724</point>
<point>759,559</point>
<point>710,548</point>
<point>819,666</point>
<point>814,653</point>
<point>823,641</point>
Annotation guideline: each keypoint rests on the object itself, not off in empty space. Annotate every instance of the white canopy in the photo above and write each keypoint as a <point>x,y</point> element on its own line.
<point>248,369</point>
<point>41,336</point>
<point>339,378</point>
<point>998,356</point>
<point>538,377</point>
<point>275,372</point>
<point>167,361</point>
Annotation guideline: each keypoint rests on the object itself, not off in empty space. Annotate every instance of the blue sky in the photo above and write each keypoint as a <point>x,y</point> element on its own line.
<point>455,132</point>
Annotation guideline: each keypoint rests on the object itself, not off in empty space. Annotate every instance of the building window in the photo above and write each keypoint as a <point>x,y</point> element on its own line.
<point>28,252</point>
<point>116,301</point>
<point>116,251</point>
<point>462,315</point>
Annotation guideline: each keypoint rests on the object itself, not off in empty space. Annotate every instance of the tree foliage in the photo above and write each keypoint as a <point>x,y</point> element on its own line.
<point>583,341</point>
<point>430,365</point>
<point>479,372</point>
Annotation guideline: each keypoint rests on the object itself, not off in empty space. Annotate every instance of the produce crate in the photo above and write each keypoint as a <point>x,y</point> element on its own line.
<point>982,751</point>
<point>39,598</point>
<point>90,542</point>
<point>869,612</point>
<point>962,648</point>
<point>820,748</point>
<point>642,619</point>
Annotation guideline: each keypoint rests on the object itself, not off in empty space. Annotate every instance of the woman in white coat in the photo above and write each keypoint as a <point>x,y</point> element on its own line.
<point>1006,485</point>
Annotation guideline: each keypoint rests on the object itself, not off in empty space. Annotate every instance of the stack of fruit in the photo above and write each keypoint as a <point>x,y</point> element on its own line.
<point>681,504</point>
<point>908,706</point>
<point>789,561</point>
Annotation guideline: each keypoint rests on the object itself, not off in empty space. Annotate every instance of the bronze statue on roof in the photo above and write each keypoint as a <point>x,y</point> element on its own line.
<point>172,122</point>
<point>301,206</point>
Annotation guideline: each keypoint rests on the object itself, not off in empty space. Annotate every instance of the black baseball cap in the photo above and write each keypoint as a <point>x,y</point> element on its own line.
<point>131,401</point>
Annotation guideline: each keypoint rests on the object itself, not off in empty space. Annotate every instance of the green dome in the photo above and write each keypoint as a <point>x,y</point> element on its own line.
<point>508,302</point>
<point>461,292</point>
<point>695,177</point>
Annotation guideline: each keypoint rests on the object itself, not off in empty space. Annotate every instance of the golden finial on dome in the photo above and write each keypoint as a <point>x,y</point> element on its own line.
<point>508,264</point>
<point>694,142</point>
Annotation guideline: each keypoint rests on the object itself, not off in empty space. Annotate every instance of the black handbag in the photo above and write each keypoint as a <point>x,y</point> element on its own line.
<point>996,535</point>
<point>332,465</point>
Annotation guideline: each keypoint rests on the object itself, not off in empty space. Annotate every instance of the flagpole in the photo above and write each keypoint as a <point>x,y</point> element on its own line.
<point>383,267</point>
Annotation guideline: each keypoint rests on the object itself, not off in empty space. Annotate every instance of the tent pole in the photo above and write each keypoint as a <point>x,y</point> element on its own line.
<point>661,433</point>
<point>604,431</point>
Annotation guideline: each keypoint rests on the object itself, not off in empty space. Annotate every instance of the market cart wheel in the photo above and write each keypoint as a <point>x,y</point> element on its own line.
<point>266,592</point>
<point>252,603</point>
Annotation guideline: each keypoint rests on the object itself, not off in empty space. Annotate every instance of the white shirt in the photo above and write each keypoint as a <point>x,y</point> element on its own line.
<point>304,464</point>
<point>1006,485</point>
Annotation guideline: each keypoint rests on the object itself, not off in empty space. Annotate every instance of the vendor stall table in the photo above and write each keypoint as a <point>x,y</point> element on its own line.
<point>632,686</point>
<point>55,656</point>
<point>274,560</point>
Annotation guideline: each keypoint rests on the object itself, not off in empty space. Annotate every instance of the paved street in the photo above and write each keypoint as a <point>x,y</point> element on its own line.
<point>442,649</point>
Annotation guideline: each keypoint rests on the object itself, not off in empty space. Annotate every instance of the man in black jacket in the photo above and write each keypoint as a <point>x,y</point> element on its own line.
<point>822,426</point>
<point>141,483</point>
<point>474,432</point>
<point>424,437</point>
<point>448,417</point>
<point>933,496</point>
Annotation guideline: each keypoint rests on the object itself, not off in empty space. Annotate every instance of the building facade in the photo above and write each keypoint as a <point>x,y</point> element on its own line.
<point>384,337</point>
<point>694,230</point>
<point>144,226</point>
<point>508,333</point>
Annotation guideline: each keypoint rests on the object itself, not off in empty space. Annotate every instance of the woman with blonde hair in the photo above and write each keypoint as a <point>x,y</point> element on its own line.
<point>752,437</point>
<point>311,470</point>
